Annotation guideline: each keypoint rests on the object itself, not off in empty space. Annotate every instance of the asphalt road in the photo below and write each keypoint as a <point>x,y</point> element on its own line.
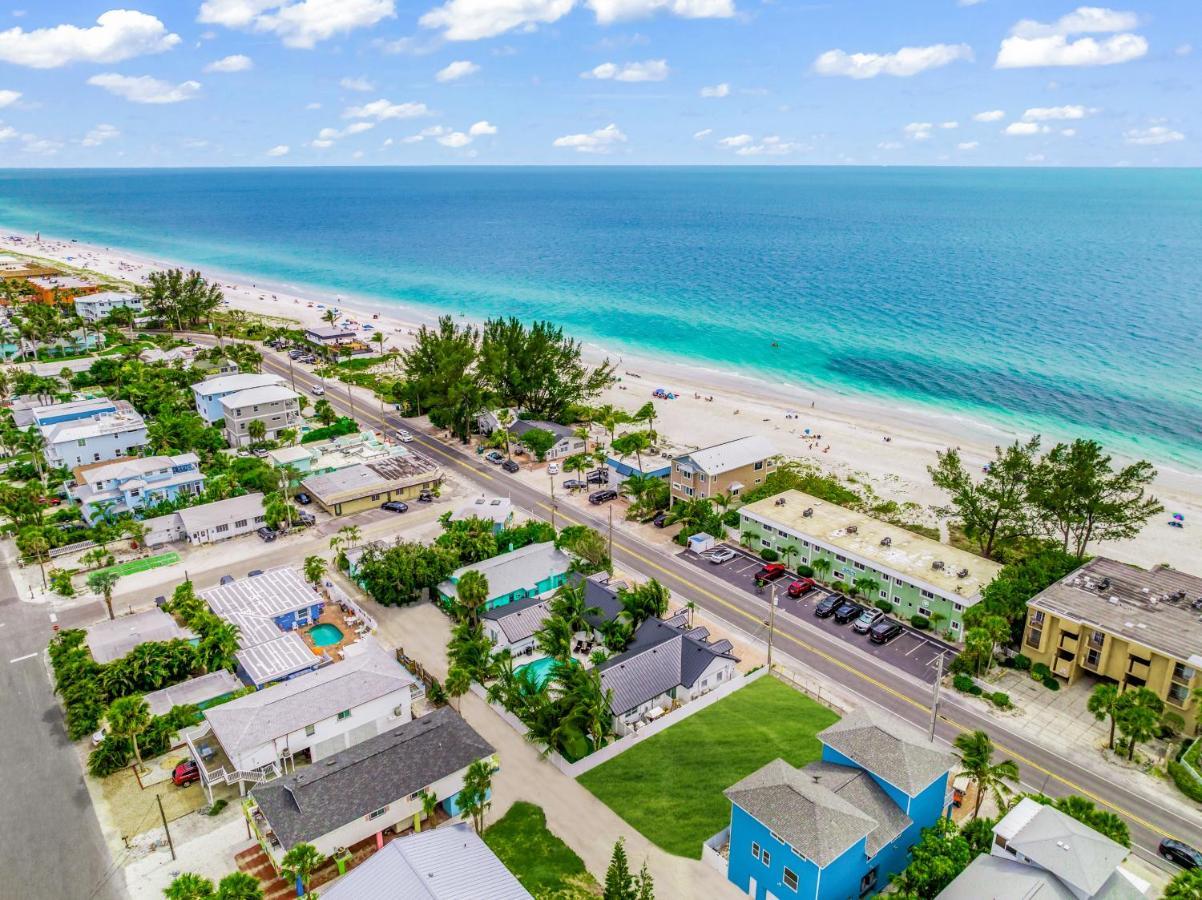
<point>52,848</point>
<point>1041,769</point>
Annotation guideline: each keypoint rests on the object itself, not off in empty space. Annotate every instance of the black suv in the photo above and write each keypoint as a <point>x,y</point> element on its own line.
<point>847,611</point>
<point>827,605</point>
<point>884,631</point>
<point>603,496</point>
<point>510,466</point>
<point>398,506</point>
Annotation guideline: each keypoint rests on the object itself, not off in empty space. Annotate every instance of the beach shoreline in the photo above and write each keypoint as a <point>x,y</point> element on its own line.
<point>883,446</point>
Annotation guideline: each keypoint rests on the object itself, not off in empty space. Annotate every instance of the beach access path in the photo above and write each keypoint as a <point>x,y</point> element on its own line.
<point>1041,768</point>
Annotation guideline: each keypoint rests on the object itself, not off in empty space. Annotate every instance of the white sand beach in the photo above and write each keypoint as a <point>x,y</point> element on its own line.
<point>845,436</point>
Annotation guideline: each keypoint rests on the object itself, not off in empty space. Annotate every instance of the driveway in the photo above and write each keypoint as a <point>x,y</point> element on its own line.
<point>914,652</point>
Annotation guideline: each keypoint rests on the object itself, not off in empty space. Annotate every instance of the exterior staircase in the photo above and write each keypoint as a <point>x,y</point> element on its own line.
<point>253,861</point>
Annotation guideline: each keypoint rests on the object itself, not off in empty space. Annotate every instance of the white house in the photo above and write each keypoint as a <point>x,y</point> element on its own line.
<point>209,393</point>
<point>512,627</point>
<point>207,523</point>
<point>94,307</point>
<point>257,737</point>
<point>362,790</point>
<point>105,437</point>
<point>276,406</point>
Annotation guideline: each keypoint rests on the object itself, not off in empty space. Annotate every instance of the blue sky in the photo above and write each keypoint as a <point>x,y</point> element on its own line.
<point>380,82</point>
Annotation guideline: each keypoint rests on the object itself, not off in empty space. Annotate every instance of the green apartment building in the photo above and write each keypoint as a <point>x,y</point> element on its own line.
<point>916,574</point>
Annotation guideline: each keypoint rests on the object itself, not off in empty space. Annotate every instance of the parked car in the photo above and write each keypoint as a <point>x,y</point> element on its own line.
<point>722,555</point>
<point>426,496</point>
<point>317,390</point>
<point>397,506</point>
<point>598,476</point>
<point>227,579</point>
<point>847,611</point>
<point>1181,853</point>
<point>884,631</point>
<point>771,572</point>
<point>295,354</point>
<point>869,617</point>
<point>827,605</point>
<point>303,499</point>
<point>267,534</point>
<point>602,496</point>
<point>254,573</point>
<point>185,773</point>
<point>661,519</point>
<point>801,586</point>
<point>307,518</point>
<point>510,466</point>
<point>553,468</point>
<point>496,457</point>
<point>574,484</point>
<point>403,436</point>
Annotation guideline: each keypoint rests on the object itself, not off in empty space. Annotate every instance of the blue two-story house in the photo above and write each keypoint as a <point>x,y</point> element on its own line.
<point>841,827</point>
<point>109,489</point>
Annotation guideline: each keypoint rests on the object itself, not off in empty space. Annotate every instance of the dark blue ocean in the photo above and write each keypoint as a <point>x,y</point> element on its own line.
<point>1063,301</point>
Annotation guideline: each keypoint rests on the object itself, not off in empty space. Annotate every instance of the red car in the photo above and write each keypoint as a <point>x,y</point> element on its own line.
<point>770,572</point>
<point>801,586</point>
<point>185,773</point>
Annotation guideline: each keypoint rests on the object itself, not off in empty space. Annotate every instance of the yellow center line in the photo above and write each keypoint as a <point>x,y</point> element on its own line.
<point>458,462</point>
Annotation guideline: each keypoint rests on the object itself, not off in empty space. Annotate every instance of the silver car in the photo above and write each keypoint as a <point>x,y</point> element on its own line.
<point>722,555</point>
<point>867,619</point>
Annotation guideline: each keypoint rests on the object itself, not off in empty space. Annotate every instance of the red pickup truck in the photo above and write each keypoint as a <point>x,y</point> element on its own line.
<point>801,586</point>
<point>770,572</point>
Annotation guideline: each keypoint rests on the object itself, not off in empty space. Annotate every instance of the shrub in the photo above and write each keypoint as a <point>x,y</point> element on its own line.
<point>1171,724</point>
<point>805,571</point>
<point>1021,663</point>
<point>922,623</point>
<point>884,606</point>
<point>841,587</point>
<point>730,518</point>
<point>343,426</point>
<point>218,805</point>
<point>1000,700</point>
<point>1039,671</point>
<point>1186,783</point>
<point>769,555</point>
<point>963,684</point>
<point>111,755</point>
<point>1050,682</point>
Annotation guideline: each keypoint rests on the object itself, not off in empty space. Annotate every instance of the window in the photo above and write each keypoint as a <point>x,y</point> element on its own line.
<point>1092,657</point>
<point>1037,617</point>
<point>221,528</point>
<point>766,858</point>
<point>260,519</point>
<point>83,442</point>
<point>958,607</point>
<point>755,849</point>
<point>377,813</point>
<point>840,558</point>
<point>790,879</point>
<point>759,467</point>
<point>734,491</point>
<point>345,714</point>
<point>884,595</point>
<point>1178,694</point>
<point>310,730</point>
<point>859,566</point>
<point>1182,672</point>
<point>924,611</point>
<point>241,523</point>
<point>928,594</point>
<point>764,542</point>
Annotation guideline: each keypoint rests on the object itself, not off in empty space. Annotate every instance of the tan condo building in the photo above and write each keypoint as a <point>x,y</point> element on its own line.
<point>1111,621</point>
<point>727,468</point>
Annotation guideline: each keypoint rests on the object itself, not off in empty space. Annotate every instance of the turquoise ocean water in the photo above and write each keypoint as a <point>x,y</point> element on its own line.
<point>1064,301</point>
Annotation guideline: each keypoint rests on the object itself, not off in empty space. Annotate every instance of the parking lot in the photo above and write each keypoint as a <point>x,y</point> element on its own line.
<point>914,652</point>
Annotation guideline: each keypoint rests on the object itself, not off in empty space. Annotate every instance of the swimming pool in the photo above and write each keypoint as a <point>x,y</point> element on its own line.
<point>325,634</point>
<point>540,669</point>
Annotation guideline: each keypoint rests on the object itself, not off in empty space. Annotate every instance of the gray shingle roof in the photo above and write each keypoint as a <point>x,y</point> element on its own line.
<point>888,747</point>
<point>356,781</point>
<point>1004,879</point>
<point>857,788</point>
<point>521,426</point>
<point>449,863</point>
<point>520,619</point>
<point>811,818</point>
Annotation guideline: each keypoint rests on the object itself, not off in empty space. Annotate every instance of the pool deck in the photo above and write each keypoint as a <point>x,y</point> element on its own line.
<point>331,614</point>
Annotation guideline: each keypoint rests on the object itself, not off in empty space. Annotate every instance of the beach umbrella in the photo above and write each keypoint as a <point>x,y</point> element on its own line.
<point>807,431</point>
<point>1179,517</point>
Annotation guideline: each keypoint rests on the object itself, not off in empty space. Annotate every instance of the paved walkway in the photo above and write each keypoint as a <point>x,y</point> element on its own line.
<point>586,824</point>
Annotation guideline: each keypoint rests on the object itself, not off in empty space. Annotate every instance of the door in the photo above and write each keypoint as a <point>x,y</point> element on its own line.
<point>750,887</point>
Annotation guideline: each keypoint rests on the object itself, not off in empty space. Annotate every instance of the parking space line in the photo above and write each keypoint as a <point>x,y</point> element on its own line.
<point>22,658</point>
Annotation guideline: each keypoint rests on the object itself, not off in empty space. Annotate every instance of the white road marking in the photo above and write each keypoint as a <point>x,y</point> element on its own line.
<point>22,658</point>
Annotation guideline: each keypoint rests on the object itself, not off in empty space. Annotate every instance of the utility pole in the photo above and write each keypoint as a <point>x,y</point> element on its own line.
<point>611,537</point>
<point>935,698</point>
<point>771,625</point>
<point>163,816</point>
<point>552,479</point>
<point>291,373</point>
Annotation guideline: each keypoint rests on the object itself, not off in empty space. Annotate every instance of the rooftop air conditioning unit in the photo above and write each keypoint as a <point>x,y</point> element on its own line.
<point>809,511</point>
<point>938,564</point>
<point>852,529</point>
<point>963,573</point>
<point>886,541</point>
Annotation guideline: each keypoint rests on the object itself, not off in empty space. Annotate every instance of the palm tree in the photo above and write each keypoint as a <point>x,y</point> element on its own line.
<point>351,534</point>
<point>239,886</point>
<point>218,646</point>
<point>129,717</point>
<point>473,798</point>
<point>471,592</point>
<point>256,430</point>
<point>300,863</point>
<point>578,463</point>
<point>645,601</point>
<point>555,638</point>
<point>789,551</point>
<point>976,759</point>
<point>458,682</point>
<point>504,420</point>
<point>569,605</point>
<point>749,537</point>
<point>1138,716</point>
<point>1103,703</point>
<point>103,582</point>
<point>378,340</point>
<point>822,567</point>
<point>867,586</point>
<point>429,804</point>
<point>189,886</point>
<point>315,570</point>
<point>723,500</point>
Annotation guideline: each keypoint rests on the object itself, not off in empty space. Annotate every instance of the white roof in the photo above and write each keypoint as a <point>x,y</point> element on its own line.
<point>258,718</point>
<point>496,509</point>
<point>82,429</point>
<point>204,517</point>
<point>276,659</point>
<point>274,593</point>
<point>271,393</point>
<point>194,690</point>
<point>108,297</point>
<point>226,384</point>
<point>94,406</point>
<point>137,466</point>
<point>731,455</point>
<point>116,637</point>
<point>521,568</point>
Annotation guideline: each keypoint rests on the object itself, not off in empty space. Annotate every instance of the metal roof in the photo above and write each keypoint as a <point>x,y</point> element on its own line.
<point>889,748</point>
<point>221,512</point>
<point>520,619</point>
<point>730,455</point>
<point>447,863</point>
<point>228,384</point>
<point>521,568</point>
<point>268,393</point>
<point>354,782</point>
<point>114,638</point>
<point>374,477</point>
<point>272,660</point>
<point>274,593</point>
<point>194,690</point>
<point>1153,608</point>
<point>1004,879</point>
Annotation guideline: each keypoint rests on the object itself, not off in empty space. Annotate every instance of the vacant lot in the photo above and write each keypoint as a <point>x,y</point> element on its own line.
<point>547,867</point>
<point>670,786</point>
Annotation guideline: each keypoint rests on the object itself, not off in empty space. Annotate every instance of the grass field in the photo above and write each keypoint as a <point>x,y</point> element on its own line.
<point>670,786</point>
<point>546,866</point>
<point>135,566</point>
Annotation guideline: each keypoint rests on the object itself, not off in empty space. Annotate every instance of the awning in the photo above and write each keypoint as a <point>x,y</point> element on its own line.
<point>736,486</point>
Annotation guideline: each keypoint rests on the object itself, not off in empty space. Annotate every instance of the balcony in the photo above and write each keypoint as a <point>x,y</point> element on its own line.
<point>1138,668</point>
<point>1069,643</point>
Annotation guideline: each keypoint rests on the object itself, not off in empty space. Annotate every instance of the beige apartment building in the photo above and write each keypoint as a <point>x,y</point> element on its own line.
<point>276,406</point>
<point>727,468</point>
<point>1111,621</point>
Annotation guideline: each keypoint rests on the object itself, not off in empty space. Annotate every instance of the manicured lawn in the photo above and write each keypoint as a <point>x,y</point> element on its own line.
<point>670,786</point>
<point>546,866</point>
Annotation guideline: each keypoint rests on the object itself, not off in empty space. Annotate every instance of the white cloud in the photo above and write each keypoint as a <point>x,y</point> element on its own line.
<point>737,140</point>
<point>603,140</point>
<point>1069,132</point>
<point>1033,43</point>
<point>235,63</point>
<point>1157,134</point>
<point>702,134</point>
<point>949,125</point>
<point>118,35</point>
<point>968,2</point>
<point>918,131</point>
<point>990,115</point>
<point>145,89</point>
<point>650,70</point>
<point>471,20</point>
<point>460,68</point>
<point>1025,129</point>
<point>481,128</point>
<point>610,11</point>
<point>8,98</point>
<point>279,150</point>
<point>1047,113</point>
<point>357,84</point>
<point>455,140</point>
<point>40,146</point>
<point>99,135</point>
<point>905,62</point>
<point>320,144</point>
<point>432,131</point>
<point>313,105</point>
<point>717,90</point>
<point>7,133</point>
<point>297,23</point>
<point>772,145</point>
<point>968,145</point>
<point>1184,50</point>
<point>382,109</point>
<point>889,145</point>
<point>1035,157</point>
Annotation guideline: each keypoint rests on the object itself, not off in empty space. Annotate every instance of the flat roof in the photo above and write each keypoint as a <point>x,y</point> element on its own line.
<point>276,659</point>
<point>274,593</point>
<point>890,548</point>
<point>93,406</point>
<point>326,332</point>
<point>1156,608</point>
<point>370,478</point>
<point>82,429</point>
<point>62,282</point>
<point>114,638</point>
<point>108,297</point>
<point>495,509</point>
<point>194,691</point>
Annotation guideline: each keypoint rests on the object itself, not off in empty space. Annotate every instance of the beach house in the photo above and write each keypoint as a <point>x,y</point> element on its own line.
<point>208,523</point>
<point>1109,621</point>
<point>727,468</point>
<point>96,439</point>
<point>843,826</point>
<point>401,476</point>
<point>275,406</point>
<point>209,393</point>
<point>109,489</point>
<point>94,307</point>
<point>917,574</point>
<point>497,510</point>
<point>39,414</point>
<point>360,791</point>
<point>529,571</point>
<point>513,626</point>
<point>342,452</point>
<point>330,335</point>
<point>62,289</point>
<point>113,638</point>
